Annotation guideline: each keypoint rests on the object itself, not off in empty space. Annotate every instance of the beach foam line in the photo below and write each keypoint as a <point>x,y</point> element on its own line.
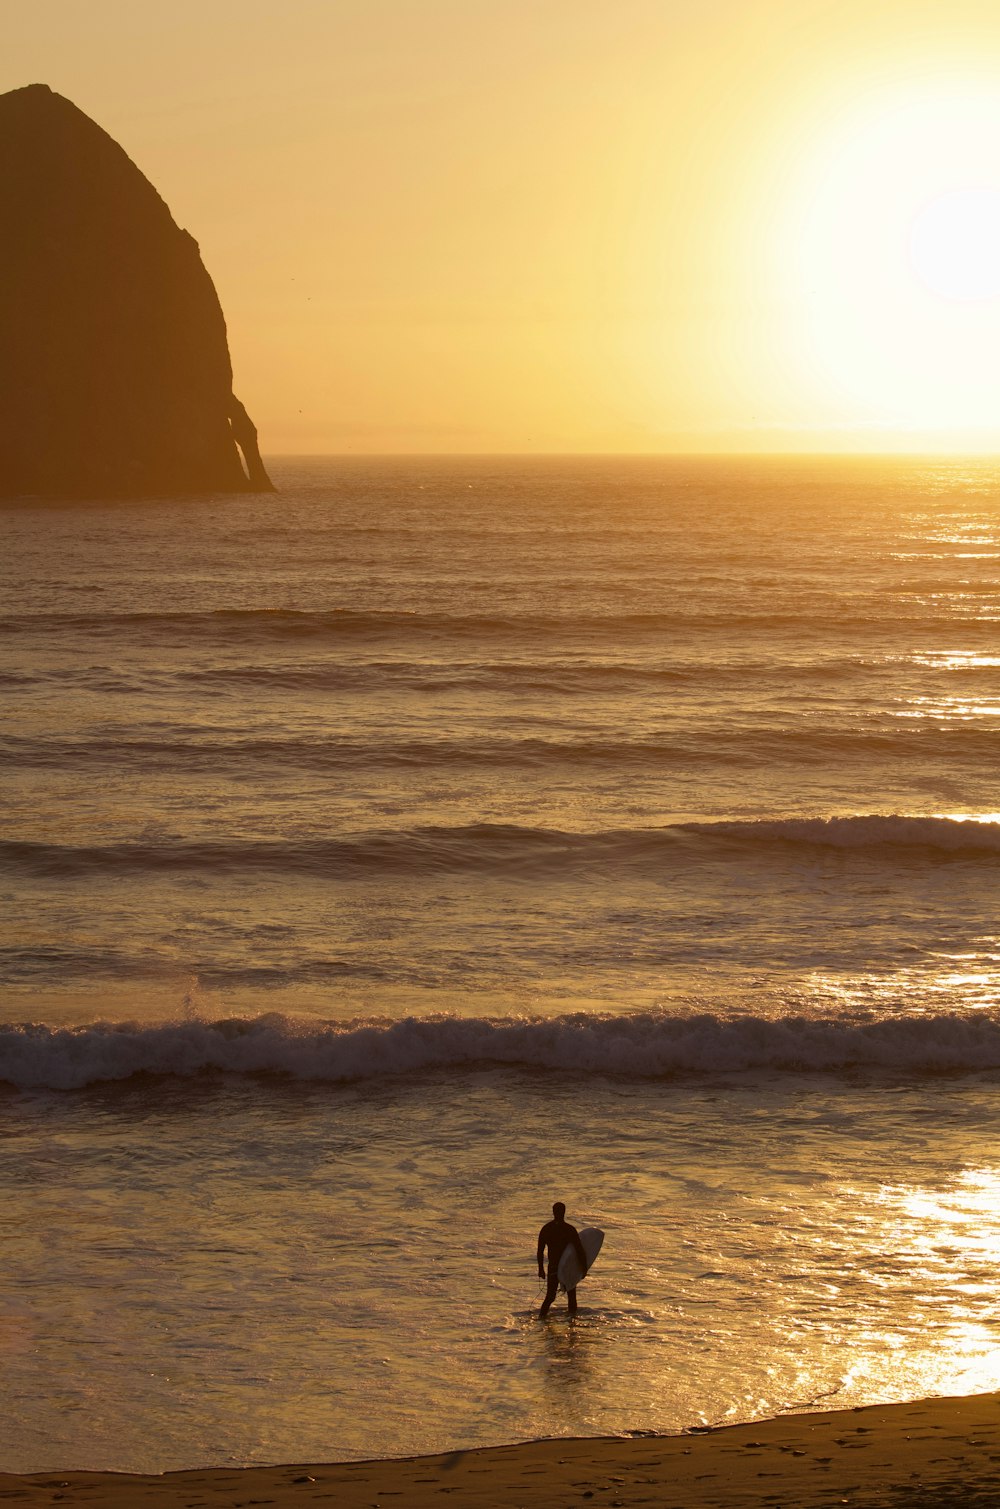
<point>642,1045</point>
<point>928,1454</point>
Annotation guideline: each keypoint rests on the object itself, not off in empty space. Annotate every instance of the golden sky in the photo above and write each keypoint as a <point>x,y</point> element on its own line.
<point>572,225</point>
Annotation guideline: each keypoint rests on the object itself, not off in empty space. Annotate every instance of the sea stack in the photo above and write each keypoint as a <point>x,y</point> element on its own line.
<point>116,379</point>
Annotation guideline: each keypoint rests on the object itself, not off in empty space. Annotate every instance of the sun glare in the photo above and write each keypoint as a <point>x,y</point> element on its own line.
<point>955,244</point>
<point>894,243</point>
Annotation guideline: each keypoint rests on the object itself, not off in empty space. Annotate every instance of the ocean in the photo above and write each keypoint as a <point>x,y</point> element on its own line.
<point>442,837</point>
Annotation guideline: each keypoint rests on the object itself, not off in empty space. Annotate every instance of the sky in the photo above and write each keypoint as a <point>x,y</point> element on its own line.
<point>572,225</point>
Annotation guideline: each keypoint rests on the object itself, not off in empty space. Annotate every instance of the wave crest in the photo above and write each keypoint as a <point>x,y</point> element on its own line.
<point>507,848</point>
<point>871,831</point>
<point>639,1046</point>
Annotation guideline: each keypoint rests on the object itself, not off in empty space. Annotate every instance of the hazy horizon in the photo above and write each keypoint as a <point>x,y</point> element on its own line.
<point>722,455</point>
<point>741,228</point>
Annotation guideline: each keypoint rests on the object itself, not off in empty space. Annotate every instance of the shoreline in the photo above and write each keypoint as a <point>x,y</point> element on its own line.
<point>929,1452</point>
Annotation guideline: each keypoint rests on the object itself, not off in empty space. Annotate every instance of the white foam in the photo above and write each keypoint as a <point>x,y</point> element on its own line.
<point>871,831</point>
<point>642,1045</point>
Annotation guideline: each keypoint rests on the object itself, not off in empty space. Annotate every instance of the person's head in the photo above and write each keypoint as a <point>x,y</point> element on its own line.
<point>559,1210</point>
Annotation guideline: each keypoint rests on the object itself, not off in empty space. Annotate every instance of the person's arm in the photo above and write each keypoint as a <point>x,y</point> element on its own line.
<point>578,1245</point>
<point>541,1253</point>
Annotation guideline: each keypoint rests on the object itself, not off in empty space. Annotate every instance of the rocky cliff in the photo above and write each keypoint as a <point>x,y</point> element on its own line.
<point>115,377</point>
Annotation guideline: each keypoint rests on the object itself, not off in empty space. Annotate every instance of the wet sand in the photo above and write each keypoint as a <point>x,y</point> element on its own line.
<point>927,1453</point>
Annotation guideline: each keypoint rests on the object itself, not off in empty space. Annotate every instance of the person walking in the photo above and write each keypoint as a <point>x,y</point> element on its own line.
<point>557,1235</point>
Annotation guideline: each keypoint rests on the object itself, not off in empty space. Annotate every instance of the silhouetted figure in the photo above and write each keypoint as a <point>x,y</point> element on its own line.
<point>557,1235</point>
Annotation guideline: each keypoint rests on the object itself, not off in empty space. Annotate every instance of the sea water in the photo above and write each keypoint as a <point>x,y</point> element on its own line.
<point>388,858</point>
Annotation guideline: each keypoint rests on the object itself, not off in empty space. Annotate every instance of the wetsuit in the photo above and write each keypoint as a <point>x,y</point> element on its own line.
<point>557,1236</point>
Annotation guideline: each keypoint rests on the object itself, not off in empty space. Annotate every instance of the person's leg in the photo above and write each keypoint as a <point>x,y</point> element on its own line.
<point>551,1290</point>
<point>571,1301</point>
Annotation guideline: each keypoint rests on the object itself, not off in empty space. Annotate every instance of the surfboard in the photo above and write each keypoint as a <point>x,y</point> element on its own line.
<point>570,1274</point>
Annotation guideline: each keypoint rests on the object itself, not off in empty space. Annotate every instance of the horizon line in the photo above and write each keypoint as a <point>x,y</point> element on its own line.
<point>702,455</point>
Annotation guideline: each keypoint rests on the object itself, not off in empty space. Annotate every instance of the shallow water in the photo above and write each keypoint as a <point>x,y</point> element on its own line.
<point>242,1271</point>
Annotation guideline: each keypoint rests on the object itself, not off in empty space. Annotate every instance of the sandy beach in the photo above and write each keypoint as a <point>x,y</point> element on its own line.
<point>930,1452</point>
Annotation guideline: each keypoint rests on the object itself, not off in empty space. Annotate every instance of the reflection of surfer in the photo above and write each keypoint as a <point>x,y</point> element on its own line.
<point>557,1235</point>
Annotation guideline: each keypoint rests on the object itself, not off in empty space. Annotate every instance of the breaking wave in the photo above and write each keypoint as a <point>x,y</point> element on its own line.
<point>640,1046</point>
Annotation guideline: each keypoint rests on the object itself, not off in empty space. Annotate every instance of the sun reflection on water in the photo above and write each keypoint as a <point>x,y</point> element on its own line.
<point>952,660</point>
<point>944,1247</point>
<point>950,709</point>
<point>955,981</point>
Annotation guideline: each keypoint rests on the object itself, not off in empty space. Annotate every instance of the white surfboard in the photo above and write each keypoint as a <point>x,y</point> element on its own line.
<point>570,1274</point>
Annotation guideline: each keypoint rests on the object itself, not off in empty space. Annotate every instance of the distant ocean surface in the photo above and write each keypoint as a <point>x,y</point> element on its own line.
<point>387,858</point>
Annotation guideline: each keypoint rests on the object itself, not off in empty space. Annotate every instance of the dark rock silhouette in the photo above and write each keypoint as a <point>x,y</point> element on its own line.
<point>115,378</point>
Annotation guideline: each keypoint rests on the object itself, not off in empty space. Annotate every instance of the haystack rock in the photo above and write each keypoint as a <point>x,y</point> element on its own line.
<point>116,378</point>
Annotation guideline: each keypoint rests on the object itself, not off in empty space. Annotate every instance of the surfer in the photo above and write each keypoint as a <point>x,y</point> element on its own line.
<point>557,1235</point>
